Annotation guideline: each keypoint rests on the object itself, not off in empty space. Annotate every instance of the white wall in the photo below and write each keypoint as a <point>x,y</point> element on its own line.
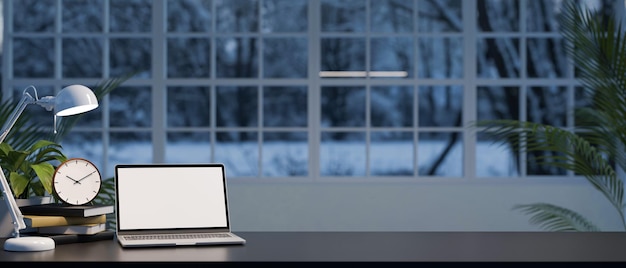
<point>395,206</point>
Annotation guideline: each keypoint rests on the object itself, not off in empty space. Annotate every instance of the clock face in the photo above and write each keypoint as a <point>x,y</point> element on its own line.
<point>76,181</point>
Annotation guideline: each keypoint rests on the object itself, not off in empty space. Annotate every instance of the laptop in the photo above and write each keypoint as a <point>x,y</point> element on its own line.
<point>172,205</point>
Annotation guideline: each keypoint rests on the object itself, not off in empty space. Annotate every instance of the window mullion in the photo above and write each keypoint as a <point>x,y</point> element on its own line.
<point>469,84</point>
<point>314,104</point>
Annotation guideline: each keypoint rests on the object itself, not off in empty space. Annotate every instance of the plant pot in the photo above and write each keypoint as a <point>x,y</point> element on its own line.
<point>6,222</point>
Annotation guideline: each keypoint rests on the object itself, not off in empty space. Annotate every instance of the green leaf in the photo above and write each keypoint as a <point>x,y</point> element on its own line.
<point>107,192</point>
<point>45,172</point>
<point>555,218</point>
<point>37,188</point>
<point>18,183</point>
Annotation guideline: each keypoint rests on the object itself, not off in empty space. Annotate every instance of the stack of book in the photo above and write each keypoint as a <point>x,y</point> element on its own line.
<point>68,223</point>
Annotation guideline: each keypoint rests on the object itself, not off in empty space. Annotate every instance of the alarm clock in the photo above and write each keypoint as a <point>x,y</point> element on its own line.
<point>76,181</point>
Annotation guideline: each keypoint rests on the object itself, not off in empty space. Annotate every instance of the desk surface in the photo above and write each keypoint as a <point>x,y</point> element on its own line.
<point>361,246</point>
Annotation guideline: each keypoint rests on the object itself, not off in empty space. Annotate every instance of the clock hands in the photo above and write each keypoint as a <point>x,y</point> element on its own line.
<point>78,181</point>
<point>75,181</point>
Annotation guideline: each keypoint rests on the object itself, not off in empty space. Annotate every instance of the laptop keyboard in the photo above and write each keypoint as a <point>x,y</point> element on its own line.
<point>176,236</point>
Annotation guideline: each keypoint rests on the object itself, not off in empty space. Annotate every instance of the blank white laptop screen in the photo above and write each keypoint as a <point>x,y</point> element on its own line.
<point>172,205</point>
<point>171,197</point>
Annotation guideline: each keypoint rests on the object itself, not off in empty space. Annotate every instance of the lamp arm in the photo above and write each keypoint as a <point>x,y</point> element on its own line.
<point>26,100</point>
<point>14,210</point>
<point>16,214</point>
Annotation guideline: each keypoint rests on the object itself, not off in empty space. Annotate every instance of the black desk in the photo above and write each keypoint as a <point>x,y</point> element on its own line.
<point>361,246</point>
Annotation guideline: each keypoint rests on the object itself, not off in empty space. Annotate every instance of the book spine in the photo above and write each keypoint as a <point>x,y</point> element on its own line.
<point>67,211</point>
<point>61,239</point>
<point>45,221</point>
<point>73,229</point>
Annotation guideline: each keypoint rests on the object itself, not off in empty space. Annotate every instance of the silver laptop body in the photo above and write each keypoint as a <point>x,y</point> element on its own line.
<point>172,205</point>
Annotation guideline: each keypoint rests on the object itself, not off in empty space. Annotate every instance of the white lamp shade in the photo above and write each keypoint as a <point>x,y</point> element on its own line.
<point>74,99</point>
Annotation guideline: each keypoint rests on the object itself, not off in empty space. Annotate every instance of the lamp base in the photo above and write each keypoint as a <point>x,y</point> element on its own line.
<point>29,243</point>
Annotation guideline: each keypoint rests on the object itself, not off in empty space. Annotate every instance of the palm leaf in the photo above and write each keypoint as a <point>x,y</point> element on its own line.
<point>595,147</point>
<point>597,45</point>
<point>573,153</point>
<point>554,218</point>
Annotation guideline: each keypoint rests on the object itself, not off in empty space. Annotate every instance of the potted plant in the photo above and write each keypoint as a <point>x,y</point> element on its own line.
<point>595,148</point>
<point>30,171</point>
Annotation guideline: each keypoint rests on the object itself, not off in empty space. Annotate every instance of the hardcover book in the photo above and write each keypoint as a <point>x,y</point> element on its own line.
<point>44,221</point>
<point>73,229</point>
<point>55,209</point>
<point>60,239</point>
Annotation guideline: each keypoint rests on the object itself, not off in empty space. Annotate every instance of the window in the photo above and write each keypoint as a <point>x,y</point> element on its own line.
<point>297,89</point>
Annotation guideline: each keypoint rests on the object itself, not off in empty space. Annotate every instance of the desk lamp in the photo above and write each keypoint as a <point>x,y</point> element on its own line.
<point>71,100</point>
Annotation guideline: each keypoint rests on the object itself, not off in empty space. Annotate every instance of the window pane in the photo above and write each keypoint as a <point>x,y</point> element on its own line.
<point>131,55</point>
<point>391,106</point>
<point>24,10</point>
<point>239,151</point>
<point>547,105</point>
<point>189,15</point>
<point>131,107</point>
<point>498,58</point>
<point>440,154</point>
<point>285,154</point>
<point>393,16</point>
<point>440,106</point>
<point>535,164</point>
<point>237,57</point>
<point>285,57</point>
<point>547,21</point>
<point>82,16</point>
<point>392,154</point>
<point>343,16</point>
<point>342,154</point>
<point>131,15</point>
<point>440,58</point>
<point>188,106</point>
<point>497,102</point>
<point>392,54</point>
<point>494,158</point>
<point>237,15</point>
<point>35,57</point>
<point>343,106</point>
<point>546,58</point>
<point>132,147</point>
<point>343,54</point>
<point>285,106</point>
<point>237,106</point>
<point>276,12</point>
<point>188,57</point>
<point>440,16</point>
<point>86,145</point>
<point>75,65</point>
<point>498,15</point>
<point>582,99</point>
<point>188,147</point>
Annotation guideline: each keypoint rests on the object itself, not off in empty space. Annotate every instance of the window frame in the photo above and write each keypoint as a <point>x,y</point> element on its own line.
<point>159,81</point>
